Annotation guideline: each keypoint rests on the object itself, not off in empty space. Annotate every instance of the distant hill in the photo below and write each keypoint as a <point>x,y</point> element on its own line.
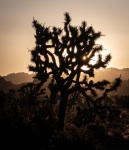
<point>6,85</point>
<point>18,78</point>
<point>15,80</point>
<point>112,73</point>
<point>108,73</point>
<point>123,89</point>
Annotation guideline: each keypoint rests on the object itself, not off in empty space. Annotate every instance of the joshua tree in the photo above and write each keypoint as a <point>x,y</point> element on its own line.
<point>66,54</point>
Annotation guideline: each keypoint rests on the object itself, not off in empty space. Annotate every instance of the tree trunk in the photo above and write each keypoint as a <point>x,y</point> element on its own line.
<point>62,110</point>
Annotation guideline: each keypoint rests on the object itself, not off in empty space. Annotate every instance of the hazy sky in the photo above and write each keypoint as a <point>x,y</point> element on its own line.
<point>111,17</point>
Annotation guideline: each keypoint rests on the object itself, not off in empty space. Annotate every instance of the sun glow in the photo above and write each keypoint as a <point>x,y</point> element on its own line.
<point>84,67</point>
<point>84,58</point>
<point>94,59</point>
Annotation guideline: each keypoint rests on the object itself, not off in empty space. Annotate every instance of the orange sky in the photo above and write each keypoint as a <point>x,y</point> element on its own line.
<point>111,17</point>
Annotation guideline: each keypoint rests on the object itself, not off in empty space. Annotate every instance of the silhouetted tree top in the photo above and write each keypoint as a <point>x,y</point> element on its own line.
<point>63,52</point>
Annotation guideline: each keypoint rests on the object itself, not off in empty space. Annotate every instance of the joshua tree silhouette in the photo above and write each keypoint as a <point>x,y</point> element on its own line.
<point>62,53</point>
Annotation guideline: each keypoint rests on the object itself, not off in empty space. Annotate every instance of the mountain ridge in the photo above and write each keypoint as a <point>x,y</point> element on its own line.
<point>108,73</point>
<point>15,80</point>
<point>112,73</point>
<point>18,78</point>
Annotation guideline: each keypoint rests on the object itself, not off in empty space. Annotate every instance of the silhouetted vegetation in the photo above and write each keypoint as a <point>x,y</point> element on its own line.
<point>73,115</point>
<point>62,54</point>
<point>32,123</point>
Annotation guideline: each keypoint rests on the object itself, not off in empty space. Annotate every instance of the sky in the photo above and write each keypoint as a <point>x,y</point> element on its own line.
<point>111,17</point>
